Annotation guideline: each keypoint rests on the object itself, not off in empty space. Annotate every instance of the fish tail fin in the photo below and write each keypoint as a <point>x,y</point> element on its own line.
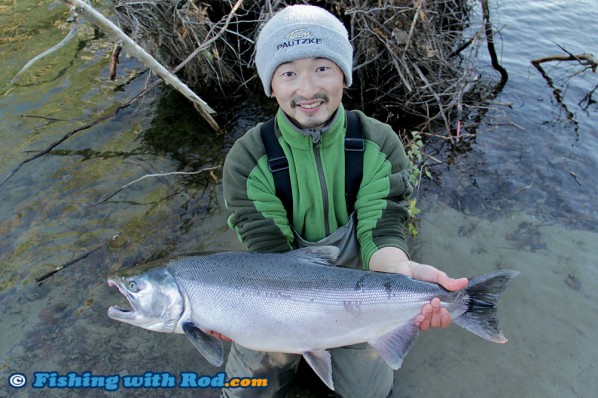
<point>484,291</point>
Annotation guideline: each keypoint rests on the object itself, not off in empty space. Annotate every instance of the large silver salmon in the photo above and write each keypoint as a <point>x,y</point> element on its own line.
<point>296,303</point>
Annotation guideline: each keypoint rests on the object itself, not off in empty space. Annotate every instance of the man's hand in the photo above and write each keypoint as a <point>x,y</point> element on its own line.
<point>391,259</point>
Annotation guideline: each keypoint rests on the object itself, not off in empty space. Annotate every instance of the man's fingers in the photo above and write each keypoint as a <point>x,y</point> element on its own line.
<point>452,284</point>
<point>436,316</point>
<point>423,320</point>
<point>433,315</point>
<point>446,319</point>
<point>425,272</point>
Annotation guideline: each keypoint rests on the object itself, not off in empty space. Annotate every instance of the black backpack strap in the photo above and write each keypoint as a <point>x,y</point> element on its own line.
<point>354,148</point>
<point>279,166</point>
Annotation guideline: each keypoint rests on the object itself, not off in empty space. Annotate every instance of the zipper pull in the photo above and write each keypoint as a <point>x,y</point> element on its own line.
<point>316,135</point>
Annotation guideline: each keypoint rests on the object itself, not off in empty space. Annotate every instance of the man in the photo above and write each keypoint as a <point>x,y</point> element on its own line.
<point>304,60</point>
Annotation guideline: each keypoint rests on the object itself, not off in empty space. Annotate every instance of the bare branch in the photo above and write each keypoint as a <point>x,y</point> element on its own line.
<point>49,51</point>
<point>490,40</point>
<point>78,129</point>
<point>584,59</point>
<point>112,31</point>
<point>68,264</point>
<point>105,198</point>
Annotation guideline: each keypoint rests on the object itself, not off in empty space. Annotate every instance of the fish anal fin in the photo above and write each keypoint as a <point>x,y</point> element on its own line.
<point>320,362</point>
<point>209,346</point>
<point>395,345</point>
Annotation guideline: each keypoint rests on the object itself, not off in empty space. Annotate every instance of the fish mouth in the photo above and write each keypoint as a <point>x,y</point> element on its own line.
<point>116,312</point>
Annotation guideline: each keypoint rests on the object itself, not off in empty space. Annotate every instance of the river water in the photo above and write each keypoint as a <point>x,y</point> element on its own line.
<point>519,195</point>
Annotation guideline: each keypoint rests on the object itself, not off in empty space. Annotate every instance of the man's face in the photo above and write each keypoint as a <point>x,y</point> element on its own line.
<point>308,90</point>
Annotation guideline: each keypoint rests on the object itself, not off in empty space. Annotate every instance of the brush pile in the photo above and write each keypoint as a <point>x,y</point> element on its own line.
<point>410,56</point>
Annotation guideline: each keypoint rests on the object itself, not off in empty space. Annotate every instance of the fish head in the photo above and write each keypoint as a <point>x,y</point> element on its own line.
<point>156,301</point>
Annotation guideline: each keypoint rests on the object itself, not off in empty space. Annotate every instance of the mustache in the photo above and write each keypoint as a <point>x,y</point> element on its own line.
<point>320,96</point>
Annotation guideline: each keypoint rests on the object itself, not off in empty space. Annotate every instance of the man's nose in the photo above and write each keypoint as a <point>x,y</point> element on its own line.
<point>308,87</point>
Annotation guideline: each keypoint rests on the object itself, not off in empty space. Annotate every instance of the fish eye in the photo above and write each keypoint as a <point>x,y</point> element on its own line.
<point>131,286</point>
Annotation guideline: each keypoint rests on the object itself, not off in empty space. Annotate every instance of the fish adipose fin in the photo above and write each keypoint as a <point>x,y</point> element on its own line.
<point>320,362</point>
<point>209,346</point>
<point>394,346</point>
<point>484,292</point>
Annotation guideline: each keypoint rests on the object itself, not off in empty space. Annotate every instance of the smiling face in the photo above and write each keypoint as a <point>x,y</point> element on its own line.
<point>308,90</point>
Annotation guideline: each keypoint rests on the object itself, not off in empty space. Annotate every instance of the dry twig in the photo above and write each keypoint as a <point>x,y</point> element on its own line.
<point>76,130</point>
<point>490,40</point>
<point>143,56</point>
<point>105,198</point>
<point>63,42</point>
<point>68,264</point>
<point>584,59</point>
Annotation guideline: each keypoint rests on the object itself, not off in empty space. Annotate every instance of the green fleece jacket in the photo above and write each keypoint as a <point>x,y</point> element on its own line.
<point>317,175</point>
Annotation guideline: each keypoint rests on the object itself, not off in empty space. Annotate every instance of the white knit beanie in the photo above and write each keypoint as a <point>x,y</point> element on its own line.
<point>302,31</point>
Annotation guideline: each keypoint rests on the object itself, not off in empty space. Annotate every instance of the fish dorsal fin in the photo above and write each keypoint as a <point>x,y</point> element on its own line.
<point>209,346</point>
<point>394,346</point>
<point>321,363</point>
<point>323,255</point>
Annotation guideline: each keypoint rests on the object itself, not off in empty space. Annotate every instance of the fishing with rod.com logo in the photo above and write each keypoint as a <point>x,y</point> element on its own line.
<point>55,380</point>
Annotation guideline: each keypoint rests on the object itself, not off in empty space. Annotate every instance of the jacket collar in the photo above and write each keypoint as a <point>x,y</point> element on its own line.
<point>299,138</point>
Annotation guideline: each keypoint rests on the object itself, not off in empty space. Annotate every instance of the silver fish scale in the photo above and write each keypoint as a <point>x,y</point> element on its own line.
<point>290,298</point>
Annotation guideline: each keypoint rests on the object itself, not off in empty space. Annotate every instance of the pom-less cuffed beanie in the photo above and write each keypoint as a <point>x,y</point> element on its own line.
<point>302,31</point>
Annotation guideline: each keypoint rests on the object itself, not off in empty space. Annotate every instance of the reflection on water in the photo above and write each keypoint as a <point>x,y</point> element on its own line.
<point>517,196</point>
<point>536,149</point>
<point>544,313</point>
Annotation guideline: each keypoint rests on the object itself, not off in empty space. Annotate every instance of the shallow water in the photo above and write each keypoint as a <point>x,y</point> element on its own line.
<point>518,196</point>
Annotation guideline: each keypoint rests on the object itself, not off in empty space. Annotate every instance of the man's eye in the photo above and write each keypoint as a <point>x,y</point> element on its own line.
<point>288,74</point>
<point>322,69</point>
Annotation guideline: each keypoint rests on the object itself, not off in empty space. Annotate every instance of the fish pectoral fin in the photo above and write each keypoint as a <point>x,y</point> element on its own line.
<point>321,363</point>
<point>394,346</point>
<point>209,346</point>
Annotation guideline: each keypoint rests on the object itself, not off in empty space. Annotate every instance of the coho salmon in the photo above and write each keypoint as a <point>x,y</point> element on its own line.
<point>296,302</point>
